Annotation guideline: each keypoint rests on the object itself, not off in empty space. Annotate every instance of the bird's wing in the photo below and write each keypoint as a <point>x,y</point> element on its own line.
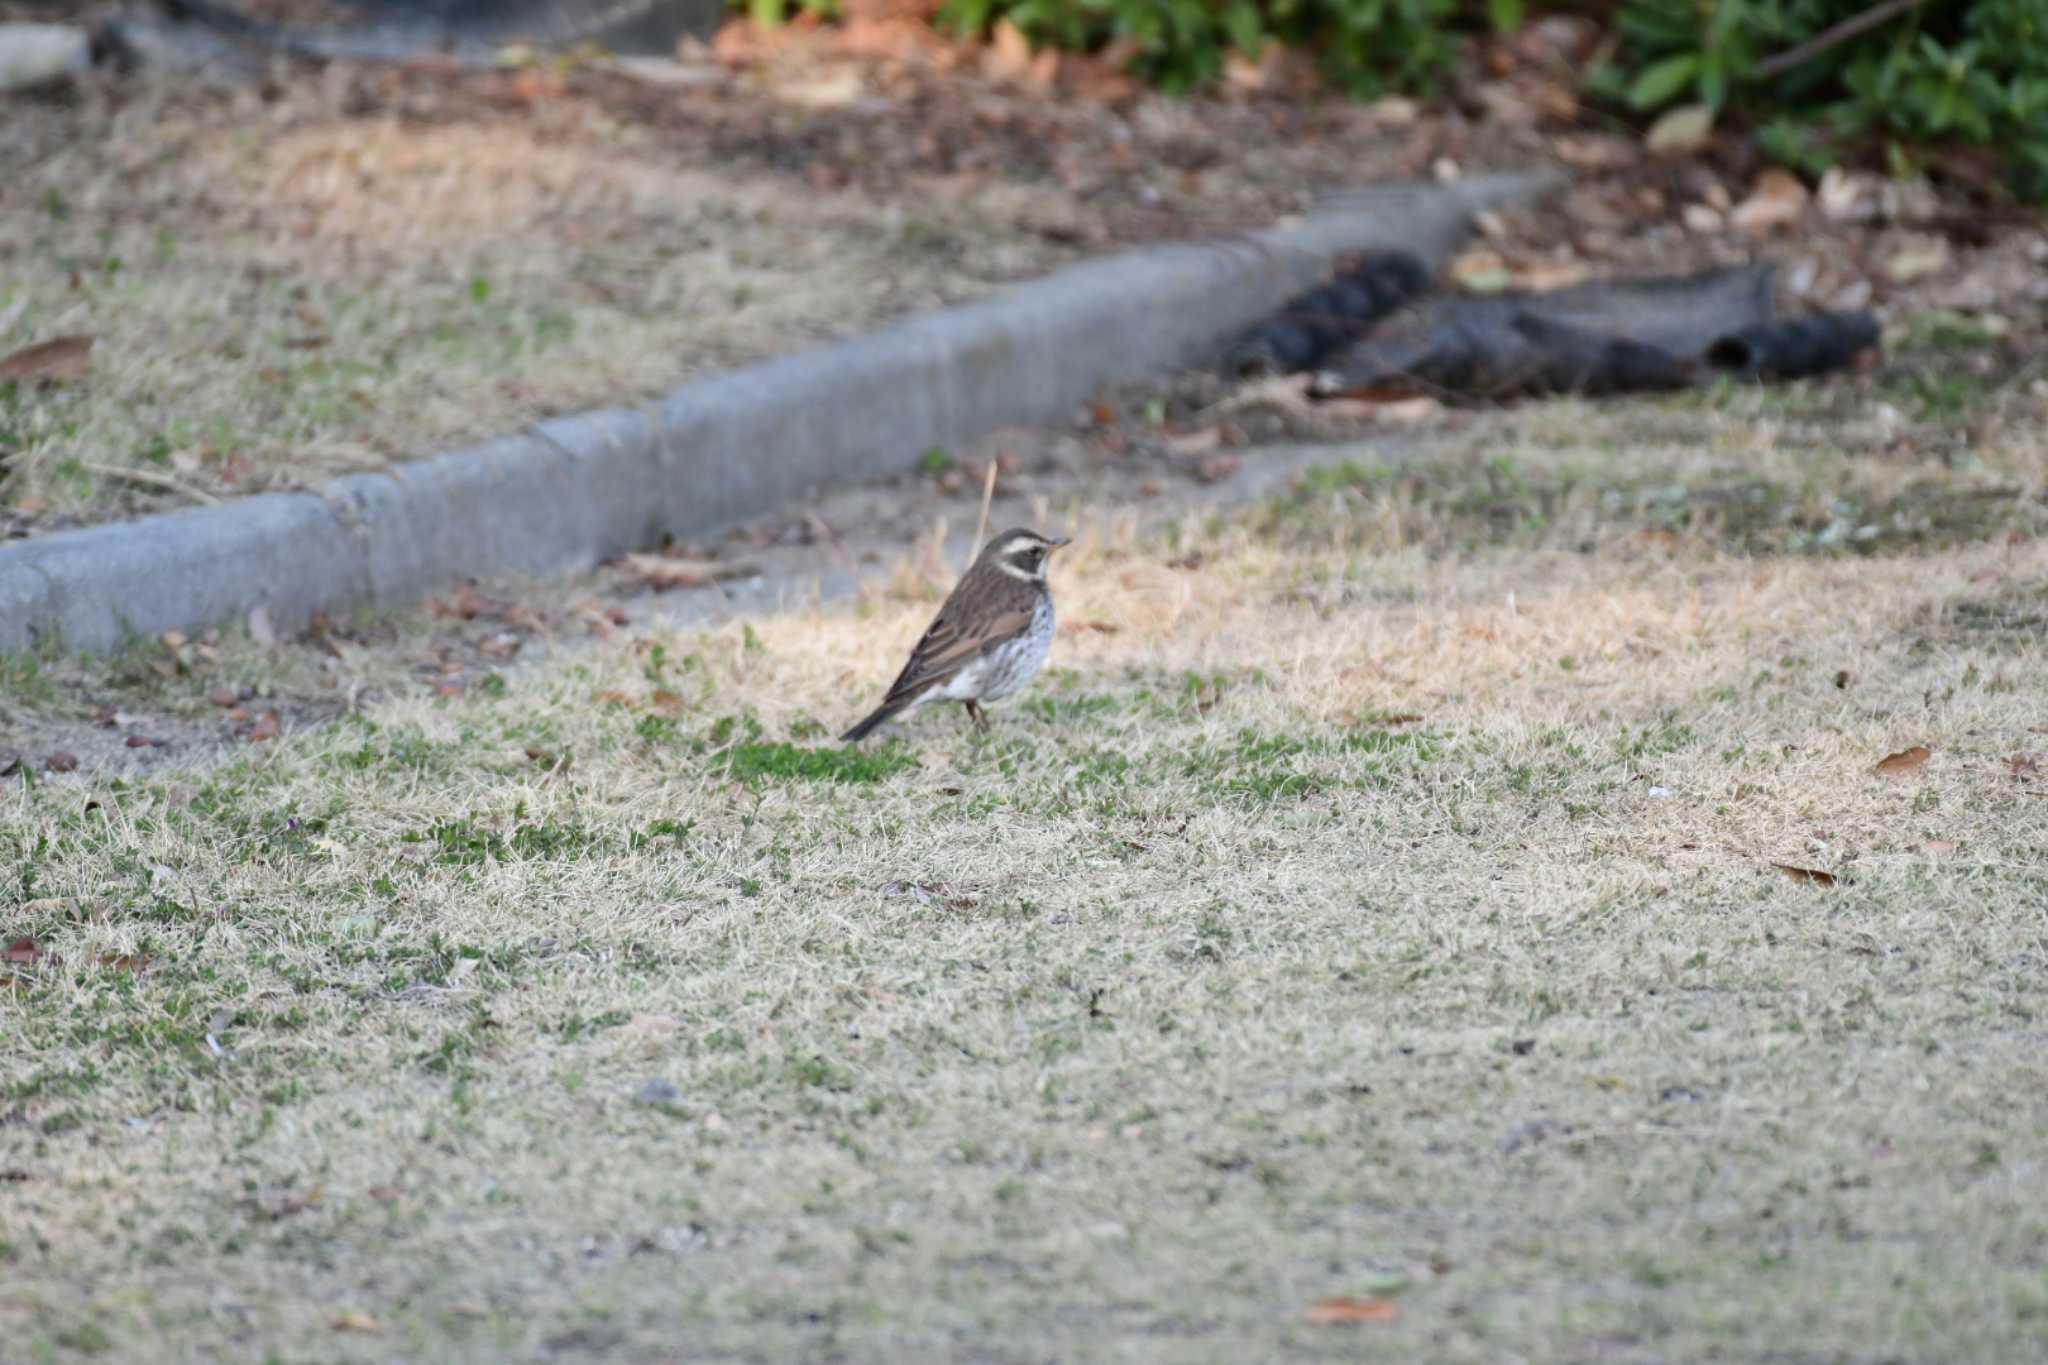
<point>950,645</point>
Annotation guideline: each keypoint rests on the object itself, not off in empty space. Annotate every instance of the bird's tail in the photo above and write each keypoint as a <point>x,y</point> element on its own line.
<point>880,714</point>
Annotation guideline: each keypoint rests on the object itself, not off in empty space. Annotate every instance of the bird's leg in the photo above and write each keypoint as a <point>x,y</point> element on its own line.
<point>979,716</point>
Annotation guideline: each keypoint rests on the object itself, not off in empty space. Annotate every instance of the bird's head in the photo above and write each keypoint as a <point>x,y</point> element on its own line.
<point>1021,553</point>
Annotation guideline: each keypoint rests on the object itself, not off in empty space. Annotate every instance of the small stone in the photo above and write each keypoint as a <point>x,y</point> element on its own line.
<point>1700,218</point>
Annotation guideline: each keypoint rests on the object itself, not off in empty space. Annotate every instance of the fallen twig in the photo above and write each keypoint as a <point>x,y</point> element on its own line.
<point>149,478</point>
<point>1833,37</point>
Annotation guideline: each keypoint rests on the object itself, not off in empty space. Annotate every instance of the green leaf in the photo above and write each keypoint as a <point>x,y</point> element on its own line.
<point>1506,15</point>
<point>1659,83</point>
<point>765,13</point>
<point>965,18</point>
<point>1713,83</point>
<point>1242,25</point>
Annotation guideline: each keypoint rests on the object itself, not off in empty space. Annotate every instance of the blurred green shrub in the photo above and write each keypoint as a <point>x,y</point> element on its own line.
<point>1898,78</point>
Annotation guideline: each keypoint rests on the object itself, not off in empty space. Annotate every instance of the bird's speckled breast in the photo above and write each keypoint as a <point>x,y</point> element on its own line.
<point>1010,666</point>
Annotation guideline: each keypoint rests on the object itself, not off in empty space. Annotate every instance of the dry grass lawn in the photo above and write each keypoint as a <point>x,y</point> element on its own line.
<point>1375,900</point>
<point>282,291</point>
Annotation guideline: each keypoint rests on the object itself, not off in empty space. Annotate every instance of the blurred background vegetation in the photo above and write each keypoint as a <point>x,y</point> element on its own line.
<point>1821,82</point>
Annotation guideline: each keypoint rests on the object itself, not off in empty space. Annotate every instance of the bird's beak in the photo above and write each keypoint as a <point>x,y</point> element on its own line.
<point>1063,540</point>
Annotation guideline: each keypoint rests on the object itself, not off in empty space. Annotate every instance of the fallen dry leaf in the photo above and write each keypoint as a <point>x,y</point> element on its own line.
<point>1545,276</point>
<point>1481,270</point>
<point>1216,468</point>
<point>1008,55</point>
<point>466,604</point>
<point>1934,848</point>
<point>1348,1308</point>
<point>1598,153</point>
<point>224,696</point>
<point>267,726</point>
<point>1701,218</point>
<point>1194,442</point>
<point>618,698</point>
<point>1904,761</point>
<point>21,950</point>
<point>1409,411</point>
<point>1349,409</point>
<point>661,572</point>
<point>2020,763</point>
<point>834,90</point>
<point>61,762</point>
<point>125,962</point>
<point>1684,130</point>
<point>1777,199</point>
<point>1923,256</point>
<point>357,1322</point>
<point>1806,874</point>
<point>60,360</point>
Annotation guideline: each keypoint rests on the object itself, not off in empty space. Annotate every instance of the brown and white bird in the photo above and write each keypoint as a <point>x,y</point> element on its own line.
<point>990,637</point>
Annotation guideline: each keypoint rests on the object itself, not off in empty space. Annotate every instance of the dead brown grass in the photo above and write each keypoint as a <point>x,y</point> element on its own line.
<point>1336,919</point>
<point>284,291</point>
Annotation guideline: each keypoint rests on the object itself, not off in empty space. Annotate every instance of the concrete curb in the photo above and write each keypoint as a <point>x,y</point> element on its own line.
<point>574,491</point>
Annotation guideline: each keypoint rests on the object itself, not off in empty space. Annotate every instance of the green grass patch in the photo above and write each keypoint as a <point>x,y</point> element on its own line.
<point>754,762</point>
